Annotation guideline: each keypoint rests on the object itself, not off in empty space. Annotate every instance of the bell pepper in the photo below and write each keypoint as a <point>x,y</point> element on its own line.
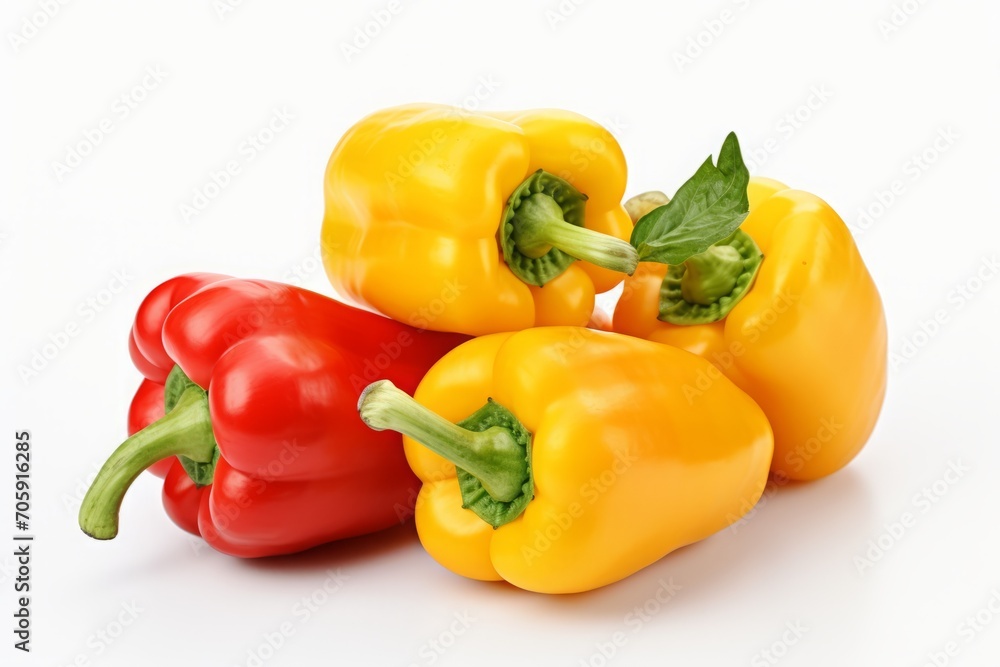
<point>808,341</point>
<point>563,459</point>
<point>473,222</point>
<point>260,383</point>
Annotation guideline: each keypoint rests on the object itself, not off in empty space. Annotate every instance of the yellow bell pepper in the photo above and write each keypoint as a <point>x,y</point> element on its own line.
<point>586,457</point>
<point>807,342</point>
<point>415,196</point>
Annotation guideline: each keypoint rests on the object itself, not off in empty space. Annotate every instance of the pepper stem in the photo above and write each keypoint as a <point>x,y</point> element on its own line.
<point>539,226</point>
<point>492,456</point>
<point>186,431</point>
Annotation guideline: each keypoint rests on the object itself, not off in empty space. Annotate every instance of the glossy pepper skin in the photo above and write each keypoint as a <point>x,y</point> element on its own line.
<point>414,199</point>
<point>289,465</point>
<point>147,404</point>
<point>624,469</point>
<point>808,342</point>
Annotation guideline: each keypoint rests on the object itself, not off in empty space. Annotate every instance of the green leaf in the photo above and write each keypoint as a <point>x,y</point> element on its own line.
<point>709,207</point>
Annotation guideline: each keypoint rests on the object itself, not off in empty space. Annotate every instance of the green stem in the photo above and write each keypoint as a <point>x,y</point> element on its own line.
<point>543,231</point>
<point>492,456</point>
<point>184,431</point>
<point>539,227</point>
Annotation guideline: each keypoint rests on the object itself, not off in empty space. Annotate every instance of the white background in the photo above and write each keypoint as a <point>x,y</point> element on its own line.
<point>885,98</point>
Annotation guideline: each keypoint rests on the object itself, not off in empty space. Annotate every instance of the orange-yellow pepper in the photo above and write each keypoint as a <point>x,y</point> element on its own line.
<point>808,341</point>
<point>587,457</point>
<point>415,197</point>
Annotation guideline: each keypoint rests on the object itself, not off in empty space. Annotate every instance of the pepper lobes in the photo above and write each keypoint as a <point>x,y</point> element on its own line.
<point>147,403</point>
<point>414,199</point>
<point>808,341</point>
<point>261,383</point>
<point>624,469</point>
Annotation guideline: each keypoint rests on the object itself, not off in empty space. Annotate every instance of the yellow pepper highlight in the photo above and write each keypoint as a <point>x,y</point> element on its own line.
<point>626,469</point>
<point>415,196</point>
<point>808,342</point>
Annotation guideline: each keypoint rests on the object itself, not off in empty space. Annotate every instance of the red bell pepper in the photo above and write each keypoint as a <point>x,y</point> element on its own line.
<point>260,384</point>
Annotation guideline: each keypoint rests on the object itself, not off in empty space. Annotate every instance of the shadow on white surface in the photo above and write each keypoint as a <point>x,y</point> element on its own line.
<point>796,522</point>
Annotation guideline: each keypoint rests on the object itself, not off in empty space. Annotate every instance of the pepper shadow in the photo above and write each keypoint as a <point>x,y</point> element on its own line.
<point>340,554</point>
<point>779,536</point>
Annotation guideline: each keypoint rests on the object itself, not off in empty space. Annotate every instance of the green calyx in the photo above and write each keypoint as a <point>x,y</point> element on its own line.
<point>707,286</point>
<point>542,232</point>
<point>185,431</point>
<point>491,449</point>
<point>201,472</point>
<point>474,495</point>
